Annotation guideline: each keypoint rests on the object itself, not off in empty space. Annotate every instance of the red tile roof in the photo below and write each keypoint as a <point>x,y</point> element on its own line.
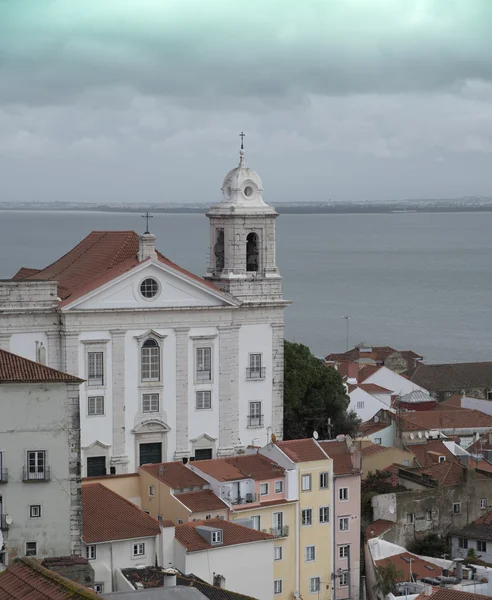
<point>339,453</point>
<point>201,501</point>
<point>175,475</point>
<point>306,450</point>
<point>97,259</point>
<point>370,427</point>
<point>483,443</point>
<point>428,454</point>
<point>448,473</point>
<point>262,504</point>
<point>106,516</point>
<point>453,376</point>
<point>17,369</point>
<point>366,372</point>
<point>232,534</point>
<point>233,468</point>
<point>420,568</point>
<point>449,594</point>
<point>378,528</point>
<point>27,579</point>
<point>372,388</point>
<point>444,419</point>
<point>371,449</point>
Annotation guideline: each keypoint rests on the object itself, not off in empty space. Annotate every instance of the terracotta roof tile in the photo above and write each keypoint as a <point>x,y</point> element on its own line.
<point>371,449</point>
<point>27,579</point>
<point>453,376</point>
<point>420,568</point>
<point>305,450</point>
<point>232,534</point>
<point>370,427</point>
<point>444,419</point>
<point>366,372</point>
<point>372,388</point>
<point>175,475</point>
<point>377,528</point>
<point>233,468</point>
<point>339,453</point>
<point>449,594</point>
<point>201,500</point>
<point>17,369</point>
<point>428,454</point>
<point>481,528</point>
<point>24,272</point>
<point>448,473</point>
<point>483,443</point>
<point>107,516</point>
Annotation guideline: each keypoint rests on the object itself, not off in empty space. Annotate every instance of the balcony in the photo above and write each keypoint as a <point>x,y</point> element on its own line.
<point>4,526</point>
<point>4,475</point>
<point>255,421</point>
<point>246,499</point>
<point>279,531</point>
<point>37,476</point>
<point>255,374</point>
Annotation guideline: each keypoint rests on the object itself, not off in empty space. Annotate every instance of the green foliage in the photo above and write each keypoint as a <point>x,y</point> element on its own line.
<point>387,576</point>
<point>431,545</point>
<point>471,553</point>
<point>313,393</point>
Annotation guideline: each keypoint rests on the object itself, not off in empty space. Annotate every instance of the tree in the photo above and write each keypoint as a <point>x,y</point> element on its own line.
<point>313,393</point>
<point>431,545</point>
<point>387,576</point>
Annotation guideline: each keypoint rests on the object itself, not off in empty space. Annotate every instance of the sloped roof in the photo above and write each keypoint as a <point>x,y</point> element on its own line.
<point>444,419</point>
<point>247,466</point>
<point>339,453</point>
<point>377,528</point>
<point>17,369</point>
<point>371,449</point>
<point>305,450</point>
<point>96,260</point>
<point>107,516</point>
<point>373,388</point>
<point>428,454</point>
<point>480,529</point>
<point>366,372</point>
<point>201,501</point>
<point>416,397</point>
<point>175,475</point>
<point>370,427</point>
<point>448,473</point>
<point>420,567</point>
<point>481,444</point>
<point>27,579</point>
<point>449,594</point>
<point>232,534</point>
<point>452,376</point>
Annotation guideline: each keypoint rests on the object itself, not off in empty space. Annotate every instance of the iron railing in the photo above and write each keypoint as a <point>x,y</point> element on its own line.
<point>280,531</point>
<point>255,420</point>
<point>256,373</point>
<point>246,499</point>
<point>39,475</point>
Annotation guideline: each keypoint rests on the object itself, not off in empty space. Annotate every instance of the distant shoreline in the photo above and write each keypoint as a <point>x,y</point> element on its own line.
<point>342,209</point>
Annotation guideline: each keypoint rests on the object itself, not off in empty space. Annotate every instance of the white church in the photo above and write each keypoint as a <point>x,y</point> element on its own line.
<point>176,367</point>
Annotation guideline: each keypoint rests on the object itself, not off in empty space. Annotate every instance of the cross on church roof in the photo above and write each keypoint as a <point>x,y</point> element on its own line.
<point>242,136</point>
<point>147,216</point>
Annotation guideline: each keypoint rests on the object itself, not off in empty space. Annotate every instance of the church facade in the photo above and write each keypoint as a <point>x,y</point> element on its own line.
<point>175,366</point>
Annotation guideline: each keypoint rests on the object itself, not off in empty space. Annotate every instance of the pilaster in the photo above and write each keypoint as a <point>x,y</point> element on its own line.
<point>119,458</point>
<point>278,379</point>
<point>69,362</point>
<point>54,350</point>
<point>75,482</point>
<point>182,374</point>
<point>228,390</point>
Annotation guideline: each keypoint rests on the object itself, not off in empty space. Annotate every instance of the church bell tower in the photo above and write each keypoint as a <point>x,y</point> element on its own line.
<point>242,239</point>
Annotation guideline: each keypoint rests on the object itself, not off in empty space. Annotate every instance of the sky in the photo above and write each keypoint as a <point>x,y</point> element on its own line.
<point>142,101</point>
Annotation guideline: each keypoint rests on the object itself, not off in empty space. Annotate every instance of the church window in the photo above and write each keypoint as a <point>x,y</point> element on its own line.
<point>255,418</point>
<point>204,364</point>
<point>151,358</point>
<point>149,288</point>
<point>95,371</point>
<point>219,250</point>
<point>252,256</point>
<point>255,370</point>
<point>248,191</point>
<point>203,401</point>
<point>95,405</point>
<point>150,402</point>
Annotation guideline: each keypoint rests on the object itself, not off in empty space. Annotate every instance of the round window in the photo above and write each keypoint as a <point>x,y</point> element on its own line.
<point>229,191</point>
<point>149,288</point>
<point>248,191</point>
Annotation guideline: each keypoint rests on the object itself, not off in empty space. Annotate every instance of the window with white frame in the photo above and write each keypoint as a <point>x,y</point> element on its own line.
<point>278,521</point>
<point>343,551</point>
<point>95,368</point>
<point>204,400</point>
<point>483,503</point>
<point>377,440</point>
<point>204,364</point>
<point>95,405</point>
<point>343,524</point>
<point>457,508</point>
<point>360,404</point>
<point>90,552</point>
<point>442,459</point>
<point>255,418</point>
<point>31,548</point>
<point>481,546</point>
<point>99,588</point>
<point>410,518</point>
<point>208,517</point>
<point>463,543</point>
<point>306,483</point>
<point>306,516</point>
<point>255,370</point>
<point>35,511</point>
<point>139,549</point>
<point>263,489</point>
<point>406,462</point>
<point>314,584</point>
<point>324,514</point>
<point>217,537</point>
<point>277,553</point>
<point>279,487</point>
<point>151,490</point>
<point>277,586</point>
<point>343,494</point>
<point>344,579</point>
<point>36,464</point>
<point>310,553</point>
<point>151,360</point>
<point>323,481</point>
<point>150,403</point>
<point>255,523</point>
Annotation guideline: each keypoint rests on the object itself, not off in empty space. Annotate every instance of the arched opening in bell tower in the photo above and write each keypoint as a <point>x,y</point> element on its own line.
<point>252,252</point>
<point>219,251</point>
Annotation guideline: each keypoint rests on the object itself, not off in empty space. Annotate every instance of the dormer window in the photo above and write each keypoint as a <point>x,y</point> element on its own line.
<point>151,358</point>
<point>217,536</point>
<point>442,459</point>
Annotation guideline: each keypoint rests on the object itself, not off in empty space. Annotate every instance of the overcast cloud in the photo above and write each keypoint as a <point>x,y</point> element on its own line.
<point>142,100</point>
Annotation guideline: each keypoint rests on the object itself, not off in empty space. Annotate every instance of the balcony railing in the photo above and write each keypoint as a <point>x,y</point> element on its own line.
<point>4,475</point>
<point>256,373</point>
<point>4,526</point>
<point>28,476</point>
<point>279,531</point>
<point>246,499</point>
<point>255,420</point>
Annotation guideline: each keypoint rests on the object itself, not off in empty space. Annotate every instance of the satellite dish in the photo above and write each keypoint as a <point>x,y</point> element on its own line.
<point>420,434</point>
<point>274,438</point>
<point>392,510</point>
<point>315,435</point>
<point>412,436</point>
<point>8,519</point>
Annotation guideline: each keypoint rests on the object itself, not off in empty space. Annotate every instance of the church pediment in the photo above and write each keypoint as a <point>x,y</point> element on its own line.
<point>151,426</point>
<point>152,284</point>
<point>97,444</point>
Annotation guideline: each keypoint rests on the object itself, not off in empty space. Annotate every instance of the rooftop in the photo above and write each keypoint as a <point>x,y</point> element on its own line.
<point>428,454</point>
<point>175,474</point>
<point>108,516</point>
<point>246,466</point>
<point>448,473</point>
<point>306,450</point>
<point>405,561</point>
<point>27,579</point>
<point>232,534</point>
<point>17,369</point>
<point>416,397</point>
<point>445,419</point>
<point>449,594</point>
<point>370,427</point>
<point>201,500</point>
<point>378,528</point>
<point>481,528</point>
<point>453,376</point>
<point>376,353</point>
<point>340,454</point>
<point>371,449</point>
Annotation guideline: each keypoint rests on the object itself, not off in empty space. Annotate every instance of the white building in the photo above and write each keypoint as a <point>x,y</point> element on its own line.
<point>366,399</point>
<point>175,366</point>
<point>389,380</point>
<point>40,512</point>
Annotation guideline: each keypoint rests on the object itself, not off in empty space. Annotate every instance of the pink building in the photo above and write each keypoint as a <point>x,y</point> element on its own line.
<point>346,512</point>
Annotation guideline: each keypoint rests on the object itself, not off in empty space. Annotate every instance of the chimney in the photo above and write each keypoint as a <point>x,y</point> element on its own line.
<point>169,577</point>
<point>146,247</point>
<point>490,438</point>
<point>427,590</point>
